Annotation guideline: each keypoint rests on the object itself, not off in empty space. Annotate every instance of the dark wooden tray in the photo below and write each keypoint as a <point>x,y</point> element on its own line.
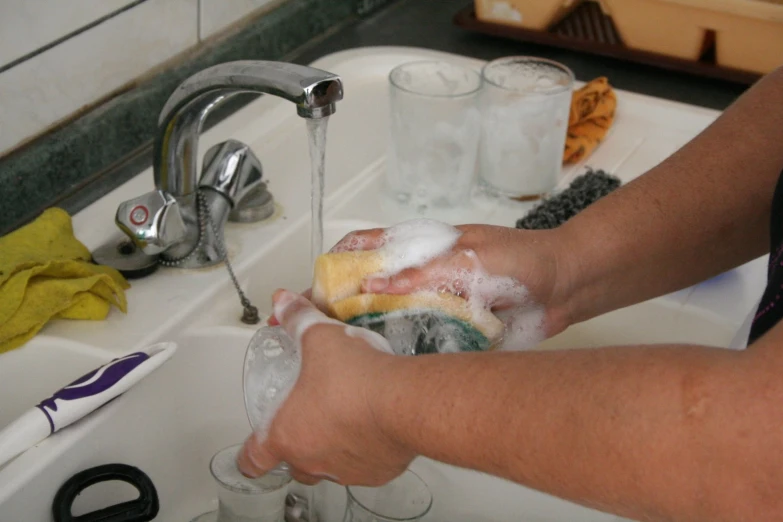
<point>587,29</point>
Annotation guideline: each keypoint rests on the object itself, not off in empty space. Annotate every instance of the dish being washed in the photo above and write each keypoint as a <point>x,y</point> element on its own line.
<point>271,368</point>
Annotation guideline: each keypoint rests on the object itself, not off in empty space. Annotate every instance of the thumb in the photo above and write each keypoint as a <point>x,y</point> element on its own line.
<point>453,273</point>
<point>296,314</point>
<point>400,283</point>
<point>254,458</point>
<point>445,274</point>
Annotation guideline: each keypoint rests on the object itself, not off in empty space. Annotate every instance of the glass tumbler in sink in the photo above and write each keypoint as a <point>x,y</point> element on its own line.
<point>406,498</point>
<point>271,368</point>
<point>525,103</point>
<point>241,499</point>
<point>435,127</point>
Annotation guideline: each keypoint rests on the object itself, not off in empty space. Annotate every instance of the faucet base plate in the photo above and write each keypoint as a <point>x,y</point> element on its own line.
<point>128,259</point>
<point>256,206</point>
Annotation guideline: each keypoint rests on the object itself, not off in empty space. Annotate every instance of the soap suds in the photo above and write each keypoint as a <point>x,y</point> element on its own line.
<point>524,327</point>
<point>410,244</point>
<point>415,243</point>
<point>506,297</point>
<point>303,319</point>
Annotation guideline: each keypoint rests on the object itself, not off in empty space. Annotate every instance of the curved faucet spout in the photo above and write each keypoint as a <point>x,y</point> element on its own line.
<point>178,221</point>
<point>315,93</point>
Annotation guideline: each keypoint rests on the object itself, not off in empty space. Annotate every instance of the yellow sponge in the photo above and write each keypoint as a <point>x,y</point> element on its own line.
<point>337,290</point>
<point>339,275</point>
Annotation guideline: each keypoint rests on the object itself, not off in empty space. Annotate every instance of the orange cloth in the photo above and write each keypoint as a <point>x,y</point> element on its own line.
<point>592,114</point>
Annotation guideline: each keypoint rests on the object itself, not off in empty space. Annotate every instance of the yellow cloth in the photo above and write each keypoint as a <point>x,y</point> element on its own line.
<point>592,114</point>
<point>45,272</point>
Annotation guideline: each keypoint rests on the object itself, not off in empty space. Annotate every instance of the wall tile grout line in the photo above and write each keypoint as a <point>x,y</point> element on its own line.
<point>72,34</point>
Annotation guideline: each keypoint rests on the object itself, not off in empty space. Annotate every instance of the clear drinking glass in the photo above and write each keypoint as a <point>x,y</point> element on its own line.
<point>271,368</point>
<point>434,134</point>
<point>525,103</point>
<point>242,499</point>
<point>405,498</point>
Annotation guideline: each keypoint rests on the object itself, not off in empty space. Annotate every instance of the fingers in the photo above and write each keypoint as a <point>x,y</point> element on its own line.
<point>254,458</point>
<point>272,320</point>
<point>296,314</point>
<point>290,309</point>
<point>360,240</point>
<point>454,273</point>
<point>431,277</point>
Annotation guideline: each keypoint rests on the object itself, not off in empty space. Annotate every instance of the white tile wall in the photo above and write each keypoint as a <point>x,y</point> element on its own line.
<point>27,25</point>
<point>53,85</point>
<point>218,14</point>
<point>57,82</point>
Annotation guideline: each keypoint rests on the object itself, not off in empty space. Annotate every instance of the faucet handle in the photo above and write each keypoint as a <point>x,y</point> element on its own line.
<point>232,169</point>
<point>153,221</point>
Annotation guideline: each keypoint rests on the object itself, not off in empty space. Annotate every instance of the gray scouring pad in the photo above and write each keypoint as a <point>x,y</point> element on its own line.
<point>582,192</point>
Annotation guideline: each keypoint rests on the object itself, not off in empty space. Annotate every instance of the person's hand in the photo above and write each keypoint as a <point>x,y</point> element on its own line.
<point>503,268</point>
<point>328,426</point>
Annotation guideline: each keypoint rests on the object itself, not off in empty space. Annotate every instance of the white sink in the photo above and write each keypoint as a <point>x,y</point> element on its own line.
<point>57,362</point>
<point>176,419</point>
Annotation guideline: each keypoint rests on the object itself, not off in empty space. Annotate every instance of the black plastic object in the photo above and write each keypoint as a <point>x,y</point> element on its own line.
<point>143,509</point>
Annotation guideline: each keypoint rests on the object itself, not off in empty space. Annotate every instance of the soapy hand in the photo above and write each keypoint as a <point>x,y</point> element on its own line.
<point>327,428</point>
<point>508,271</point>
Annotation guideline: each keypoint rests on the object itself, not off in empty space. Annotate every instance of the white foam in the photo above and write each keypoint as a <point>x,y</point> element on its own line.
<point>351,242</point>
<point>302,320</point>
<point>524,327</point>
<point>414,243</point>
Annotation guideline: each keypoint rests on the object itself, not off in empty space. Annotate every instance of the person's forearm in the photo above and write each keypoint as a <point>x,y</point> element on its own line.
<point>702,211</point>
<point>666,433</point>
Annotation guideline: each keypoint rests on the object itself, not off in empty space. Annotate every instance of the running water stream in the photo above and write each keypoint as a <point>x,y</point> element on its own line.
<point>316,129</point>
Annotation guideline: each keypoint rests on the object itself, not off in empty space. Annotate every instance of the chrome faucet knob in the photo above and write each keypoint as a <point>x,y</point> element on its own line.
<point>232,169</point>
<point>152,220</point>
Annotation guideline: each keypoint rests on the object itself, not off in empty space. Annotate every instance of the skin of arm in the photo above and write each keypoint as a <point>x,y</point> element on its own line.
<point>654,433</point>
<point>700,212</point>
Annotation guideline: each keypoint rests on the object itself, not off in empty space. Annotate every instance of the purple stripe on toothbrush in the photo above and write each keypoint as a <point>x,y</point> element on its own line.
<point>93,383</point>
<point>48,417</point>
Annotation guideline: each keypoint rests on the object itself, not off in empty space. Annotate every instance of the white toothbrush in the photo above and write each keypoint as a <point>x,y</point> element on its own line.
<point>80,398</point>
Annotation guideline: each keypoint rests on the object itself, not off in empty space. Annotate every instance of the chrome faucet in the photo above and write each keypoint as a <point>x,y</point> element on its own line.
<point>182,220</point>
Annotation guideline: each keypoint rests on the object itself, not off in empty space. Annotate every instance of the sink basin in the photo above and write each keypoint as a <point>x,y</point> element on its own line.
<point>172,422</point>
<point>193,406</point>
<point>658,321</point>
<point>57,362</point>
